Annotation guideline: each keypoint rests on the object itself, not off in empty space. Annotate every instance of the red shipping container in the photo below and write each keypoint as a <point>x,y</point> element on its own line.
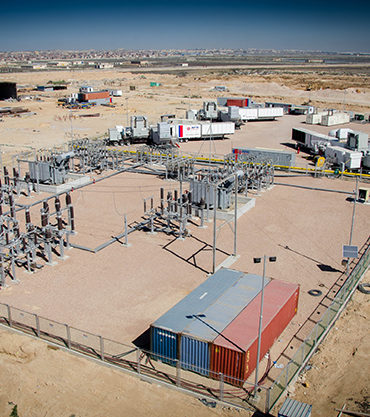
<point>279,307</point>
<point>239,102</point>
<point>94,95</point>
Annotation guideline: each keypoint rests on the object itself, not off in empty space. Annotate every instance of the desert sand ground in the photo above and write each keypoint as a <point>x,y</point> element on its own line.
<point>53,125</point>
<point>340,371</point>
<point>304,229</point>
<point>44,381</point>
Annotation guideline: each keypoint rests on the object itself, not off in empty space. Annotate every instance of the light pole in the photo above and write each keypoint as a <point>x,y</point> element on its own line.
<point>257,261</point>
<point>199,317</point>
<point>126,110</point>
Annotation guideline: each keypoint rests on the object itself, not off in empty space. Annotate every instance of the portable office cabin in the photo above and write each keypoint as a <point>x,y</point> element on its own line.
<point>165,331</point>
<point>279,307</point>
<point>196,337</point>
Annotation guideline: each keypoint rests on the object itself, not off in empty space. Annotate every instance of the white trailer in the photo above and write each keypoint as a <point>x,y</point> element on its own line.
<point>217,130</point>
<point>313,141</point>
<point>315,118</point>
<point>343,157</point>
<point>246,114</point>
<point>260,113</point>
<point>270,113</point>
<point>335,118</point>
<point>185,131</point>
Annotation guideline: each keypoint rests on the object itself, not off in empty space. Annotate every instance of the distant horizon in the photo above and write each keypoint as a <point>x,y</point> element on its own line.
<point>82,25</point>
<point>313,51</point>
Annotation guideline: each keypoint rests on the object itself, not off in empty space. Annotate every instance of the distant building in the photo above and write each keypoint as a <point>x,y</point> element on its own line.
<point>51,87</point>
<point>95,97</point>
<point>33,66</point>
<point>86,89</point>
<point>315,61</point>
<point>104,65</point>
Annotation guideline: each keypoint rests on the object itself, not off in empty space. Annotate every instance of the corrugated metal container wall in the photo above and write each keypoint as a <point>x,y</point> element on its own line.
<point>164,344</point>
<point>237,102</point>
<point>229,362</point>
<point>194,355</point>
<point>164,330</point>
<point>95,95</point>
<point>280,305</point>
<point>216,318</point>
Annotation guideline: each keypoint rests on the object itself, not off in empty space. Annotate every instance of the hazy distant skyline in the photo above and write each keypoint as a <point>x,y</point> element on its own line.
<point>81,25</point>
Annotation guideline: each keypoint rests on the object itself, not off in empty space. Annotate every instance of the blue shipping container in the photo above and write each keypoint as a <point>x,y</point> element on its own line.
<point>175,320</point>
<point>164,344</point>
<point>195,355</point>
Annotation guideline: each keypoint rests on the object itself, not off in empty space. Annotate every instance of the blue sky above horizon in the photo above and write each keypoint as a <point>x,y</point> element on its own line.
<point>163,24</point>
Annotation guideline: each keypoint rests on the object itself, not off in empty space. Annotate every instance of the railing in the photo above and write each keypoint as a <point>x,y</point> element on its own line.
<point>136,361</point>
<point>140,362</point>
<point>309,345</point>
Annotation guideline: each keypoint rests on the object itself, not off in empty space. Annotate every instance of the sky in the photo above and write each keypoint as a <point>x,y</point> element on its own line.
<point>336,26</point>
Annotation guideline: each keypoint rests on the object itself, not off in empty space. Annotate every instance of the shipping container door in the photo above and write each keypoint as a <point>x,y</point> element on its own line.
<point>164,345</point>
<point>194,355</point>
<point>228,362</point>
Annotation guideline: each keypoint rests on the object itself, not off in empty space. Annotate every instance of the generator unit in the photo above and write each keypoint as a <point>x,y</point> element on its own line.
<point>358,141</point>
<point>209,111</point>
<point>139,128</point>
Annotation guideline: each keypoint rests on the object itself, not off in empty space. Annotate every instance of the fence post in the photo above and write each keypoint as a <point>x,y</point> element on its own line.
<point>178,373</point>
<point>221,386</point>
<point>68,336</point>
<point>37,325</point>
<point>286,374</point>
<point>101,348</point>
<point>316,331</point>
<point>138,354</point>
<point>10,321</point>
<point>267,403</point>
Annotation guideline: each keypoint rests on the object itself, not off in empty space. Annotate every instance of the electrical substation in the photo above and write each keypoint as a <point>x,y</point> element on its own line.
<point>150,250</point>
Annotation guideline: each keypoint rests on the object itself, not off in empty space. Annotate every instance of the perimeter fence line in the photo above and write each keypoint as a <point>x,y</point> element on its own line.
<point>222,388</point>
<point>319,331</point>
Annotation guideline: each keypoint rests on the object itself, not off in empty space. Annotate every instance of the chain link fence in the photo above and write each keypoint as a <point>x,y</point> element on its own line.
<point>314,338</point>
<point>134,360</point>
<point>130,358</point>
